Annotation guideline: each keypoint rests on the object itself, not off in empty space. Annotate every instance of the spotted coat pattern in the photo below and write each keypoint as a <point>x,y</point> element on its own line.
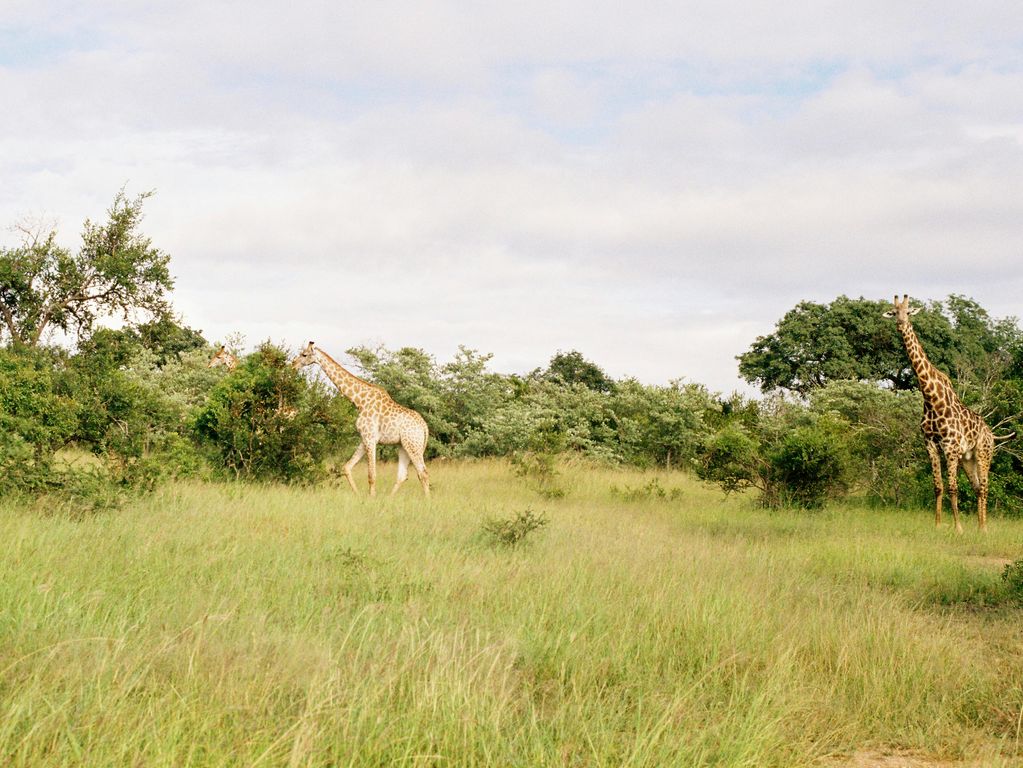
<point>224,358</point>
<point>381,421</point>
<point>949,427</point>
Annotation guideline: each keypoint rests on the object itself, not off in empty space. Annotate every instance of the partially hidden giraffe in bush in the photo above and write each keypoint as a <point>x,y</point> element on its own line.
<point>381,421</point>
<point>949,427</point>
<point>224,358</point>
<point>229,361</point>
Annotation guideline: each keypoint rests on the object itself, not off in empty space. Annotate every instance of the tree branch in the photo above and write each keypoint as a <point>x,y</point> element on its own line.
<point>11,327</point>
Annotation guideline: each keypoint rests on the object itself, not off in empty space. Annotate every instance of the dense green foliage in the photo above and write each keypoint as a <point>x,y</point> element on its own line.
<point>474,412</point>
<point>149,411</point>
<point>847,360</point>
<point>43,286</point>
<point>841,416</point>
<point>850,339</point>
<point>265,422</point>
<point>793,455</point>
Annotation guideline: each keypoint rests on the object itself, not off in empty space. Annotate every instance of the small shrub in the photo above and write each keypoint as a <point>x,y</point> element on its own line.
<point>651,490</point>
<point>348,559</point>
<point>57,488</point>
<point>1012,580</point>
<point>732,460</point>
<point>540,469</point>
<point>808,466</point>
<point>510,532</point>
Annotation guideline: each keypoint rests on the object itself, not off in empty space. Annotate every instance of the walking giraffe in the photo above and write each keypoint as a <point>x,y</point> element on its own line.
<point>381,421</point>
<point>224,358</point>
<point>960,433</point>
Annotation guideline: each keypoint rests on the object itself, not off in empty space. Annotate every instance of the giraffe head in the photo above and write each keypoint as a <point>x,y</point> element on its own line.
<point>224,358</point>
<point>901,310</point>
<point>305,357</point>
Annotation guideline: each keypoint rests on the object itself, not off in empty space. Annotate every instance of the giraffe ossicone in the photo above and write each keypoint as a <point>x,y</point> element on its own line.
<point>949,427</point>
<point>381,421</point>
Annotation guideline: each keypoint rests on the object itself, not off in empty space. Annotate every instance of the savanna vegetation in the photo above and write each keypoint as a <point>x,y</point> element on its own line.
<point>640,619</point>
<point>611,572</point>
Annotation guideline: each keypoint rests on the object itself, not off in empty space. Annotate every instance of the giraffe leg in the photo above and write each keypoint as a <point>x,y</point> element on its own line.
<point>403,460</point>
<point>939,488</point>
<point>347,468</point>
<point>952,459</point>
<point>424,476</point>
<point>970,468</point>
<point>983,468</point>
<point>371,459</point>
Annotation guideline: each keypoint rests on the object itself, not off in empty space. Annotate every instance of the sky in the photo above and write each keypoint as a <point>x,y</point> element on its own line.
<point>652,184</point>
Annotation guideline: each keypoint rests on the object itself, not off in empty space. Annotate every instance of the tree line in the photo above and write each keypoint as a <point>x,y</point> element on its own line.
<point>839,415</point>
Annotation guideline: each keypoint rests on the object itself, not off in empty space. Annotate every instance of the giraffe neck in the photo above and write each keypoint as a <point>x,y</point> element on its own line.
<point>930,378</point>
<point>348,384</point>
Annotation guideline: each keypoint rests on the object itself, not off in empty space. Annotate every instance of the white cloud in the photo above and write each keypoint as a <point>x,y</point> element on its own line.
<point>652,187</point>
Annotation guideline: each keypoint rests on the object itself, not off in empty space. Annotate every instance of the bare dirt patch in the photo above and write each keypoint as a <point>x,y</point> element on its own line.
<point>871,759</point>
<point>988,561</point>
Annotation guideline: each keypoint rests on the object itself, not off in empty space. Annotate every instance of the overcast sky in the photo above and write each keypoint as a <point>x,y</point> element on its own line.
<point>652,184</point>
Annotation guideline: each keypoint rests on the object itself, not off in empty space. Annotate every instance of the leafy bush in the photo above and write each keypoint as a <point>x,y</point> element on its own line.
<point>132,415</point>
<point>791,455</point>
<point>664,426</point>
<point>881,430</point>
<point>808,466</point>
<point>49,401</point>
<point>539,468</point>
<point>652,489</point>
<point>512,531</point>
<point>733,460</point>
<point>1012,580</point>
<point>32,407</point>
<point>265,422</point>
<point>571,406</point>
<point>56,487</point>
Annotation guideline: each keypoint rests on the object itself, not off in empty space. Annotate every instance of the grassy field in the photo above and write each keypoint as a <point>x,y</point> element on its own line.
<point>646,625</point>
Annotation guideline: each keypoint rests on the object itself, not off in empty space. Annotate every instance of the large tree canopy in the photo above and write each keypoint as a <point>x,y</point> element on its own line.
<point>814,344</point>
<point>572,368</point>
<point>116,271</point>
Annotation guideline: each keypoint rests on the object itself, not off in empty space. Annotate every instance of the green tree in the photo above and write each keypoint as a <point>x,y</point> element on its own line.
<point>792,455</point>
<point>662,425</point>
<point>471,393</point>
<point>116,271</point>
<point>572,368</point>
<point>849,339</point>
<point>412,378</point>
<point>888,463</point>
<point>264,421</point>
<point>34,411</point>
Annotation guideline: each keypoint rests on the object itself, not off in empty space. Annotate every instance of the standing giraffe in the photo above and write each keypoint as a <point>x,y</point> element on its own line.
<point>960,433</point>
<point>380,421</point>
<point>224,358</point>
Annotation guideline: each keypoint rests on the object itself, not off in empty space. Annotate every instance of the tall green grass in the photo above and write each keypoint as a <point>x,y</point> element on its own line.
<point>243,625</point>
